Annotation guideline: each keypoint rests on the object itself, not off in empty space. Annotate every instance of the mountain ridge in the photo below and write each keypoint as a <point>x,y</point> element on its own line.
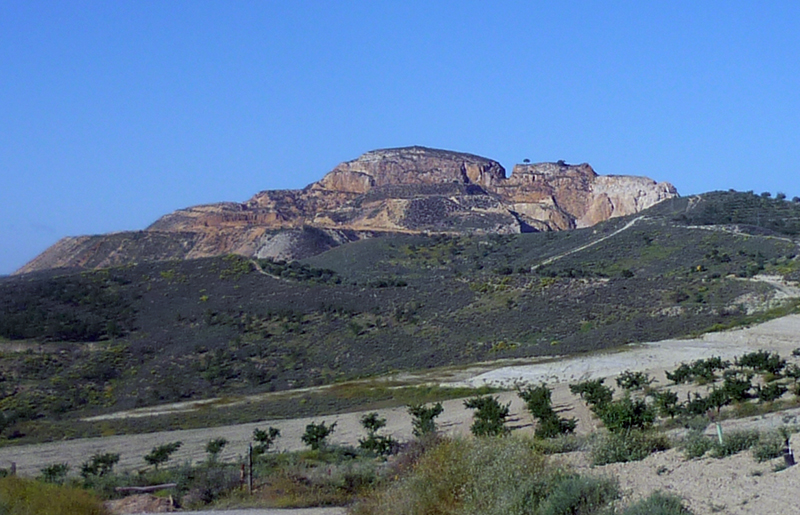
<point>398,190</point>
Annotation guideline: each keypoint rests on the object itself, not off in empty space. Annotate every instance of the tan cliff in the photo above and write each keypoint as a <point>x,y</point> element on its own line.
<point>402,190</point>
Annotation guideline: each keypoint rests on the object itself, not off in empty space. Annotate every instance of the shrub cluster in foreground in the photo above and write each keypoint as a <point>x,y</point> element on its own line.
<point>503,476</point>
<point>19,496</point>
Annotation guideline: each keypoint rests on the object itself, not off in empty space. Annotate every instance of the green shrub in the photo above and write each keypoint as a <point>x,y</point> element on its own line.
<point>718,398</point>
<point>490,416</point>
<point>594,392</point>
<point>316,435</point>
<point>19,496</point>
<point>560,444</point>
<point>423,418</point>
<point>737,386</point>
<point>374,442</point>
<point>625,414</point>
<point>666,403</point>
<point>537,400</point>
<point>735,442</point>
<point>701,371</point>
<point>762,361</point>
<point>55,473</point>
<point>579,495</point>
<point>770,392</point>
<point>768,447</point>
<point>489,476</point>
<point>634,380</point>
<point>162,454</point>
<point>553,426</point>
<point>624,447</point>
<point>697,405</point>
<point>214,447</point>
<point>199,486</point>
<point>658,503</point>
<point>696,445</point>
<point>99,464</point>
<point>265,439</point>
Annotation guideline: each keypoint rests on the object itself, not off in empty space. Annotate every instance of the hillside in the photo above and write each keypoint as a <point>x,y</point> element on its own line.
<point>411,190</point>
<point>86,342</point>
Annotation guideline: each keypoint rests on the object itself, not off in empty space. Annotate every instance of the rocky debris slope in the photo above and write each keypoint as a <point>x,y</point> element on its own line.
<point>412,189</point>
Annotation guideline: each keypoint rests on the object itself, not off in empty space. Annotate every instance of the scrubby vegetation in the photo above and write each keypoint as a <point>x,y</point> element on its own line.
<point>90,342</point>
<point>501,476</point>
<point>19,496</point>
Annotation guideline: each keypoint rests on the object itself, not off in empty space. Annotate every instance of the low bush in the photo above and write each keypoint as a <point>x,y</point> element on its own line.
<point>658,503</point>
<point>579,494</point>
<point>770,392</point>
<point>19,496</point>
<point>735,442</point>
<point>594,392</point>
<point>696,445</point>
<point>162,454</point>
<point>633,445</point>
<point>490,416</point>
<point>200,486</point>
<point>625,414</point>
<point>490,476</point>
<point>423,418</point>
<point>769,446</point>
<point>316,435</point>
<point>265,439</point>
<point>537,400</point>
<point>629,380</point>
<point>55,473</point>
<point>561,444</point>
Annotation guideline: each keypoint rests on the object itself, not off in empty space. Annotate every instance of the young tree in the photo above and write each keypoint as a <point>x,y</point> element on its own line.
<point>625,414</point>
<point>162,454</point>
<point>265,439</point>
<point>666,402</point>
<point>214,447</point>
<point>634,380</point>
<point>537,400</point>
<point>422,420</point>
<point>317,434</point>
<point>594,392</point>
<point>55,473</point>
<point>374,442</point>
<point>490,416</point>
<point>99,465</point>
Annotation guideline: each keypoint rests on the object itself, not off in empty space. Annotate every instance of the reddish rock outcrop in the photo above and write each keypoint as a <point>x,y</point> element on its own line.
<point>412,189</point>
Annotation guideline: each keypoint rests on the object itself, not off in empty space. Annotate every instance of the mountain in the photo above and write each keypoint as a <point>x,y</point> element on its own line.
<point>83,342</point>
<point>412,190</point>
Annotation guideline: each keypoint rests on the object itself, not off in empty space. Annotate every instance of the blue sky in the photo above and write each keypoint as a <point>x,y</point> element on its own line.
<point>114,113</point>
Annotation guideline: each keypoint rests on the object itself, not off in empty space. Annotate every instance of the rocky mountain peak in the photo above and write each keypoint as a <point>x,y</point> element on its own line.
<point>409,190</point>
<point>411,165</point>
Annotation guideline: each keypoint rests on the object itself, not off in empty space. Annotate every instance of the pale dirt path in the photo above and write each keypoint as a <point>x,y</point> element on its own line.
<point>590,244</point>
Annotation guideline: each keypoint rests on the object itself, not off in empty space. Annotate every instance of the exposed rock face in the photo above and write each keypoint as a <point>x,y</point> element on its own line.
<point>413,189</point>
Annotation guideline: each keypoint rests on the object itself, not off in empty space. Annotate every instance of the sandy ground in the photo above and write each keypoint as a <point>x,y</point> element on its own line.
<point>736,485</point>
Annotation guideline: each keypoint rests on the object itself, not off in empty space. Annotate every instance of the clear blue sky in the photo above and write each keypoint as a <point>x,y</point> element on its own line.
<point>113,113</point>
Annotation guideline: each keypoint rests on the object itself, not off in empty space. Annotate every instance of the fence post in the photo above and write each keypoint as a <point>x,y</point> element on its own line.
<point>250,468</point>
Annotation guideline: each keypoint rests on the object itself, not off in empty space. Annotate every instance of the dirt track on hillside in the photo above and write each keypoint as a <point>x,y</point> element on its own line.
<point>738,483</point>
